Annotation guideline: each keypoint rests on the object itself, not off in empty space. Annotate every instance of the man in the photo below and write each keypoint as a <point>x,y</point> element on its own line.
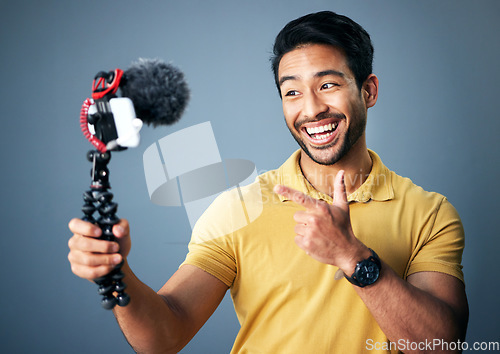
<point>331,209</point>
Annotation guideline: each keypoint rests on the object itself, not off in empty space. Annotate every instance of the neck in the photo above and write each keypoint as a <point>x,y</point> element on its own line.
<point>357,165</point>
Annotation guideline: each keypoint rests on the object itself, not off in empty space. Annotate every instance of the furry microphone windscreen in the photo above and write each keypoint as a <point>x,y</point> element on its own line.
<point>158,91</point>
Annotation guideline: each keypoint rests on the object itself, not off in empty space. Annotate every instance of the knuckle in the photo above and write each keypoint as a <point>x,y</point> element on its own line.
<point>112,260</point>
<point>300,197</point>
<point>111,247</point>
<point>92,245</point>
<point>87,260</point>
<point>78,271</point>
<point>322,206</point>
<point>314,221</point>
<point>98,272</point>
<point>108,260</point>
<point>298,216</point>
<point>89,273</point>
<point>85,243</point>
<point>101,246</point>
<point>94,273</point>
<point>306,242</point>
<point>74,258</point>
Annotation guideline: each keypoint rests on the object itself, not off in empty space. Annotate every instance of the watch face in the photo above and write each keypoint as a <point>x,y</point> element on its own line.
<point>368,272</point>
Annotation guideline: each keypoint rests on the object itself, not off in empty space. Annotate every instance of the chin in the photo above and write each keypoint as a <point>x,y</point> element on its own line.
<point>326,155</point>
<point>321,159</point>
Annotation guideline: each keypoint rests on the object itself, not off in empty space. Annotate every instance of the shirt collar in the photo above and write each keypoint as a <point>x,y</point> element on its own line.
<point>378,185</point>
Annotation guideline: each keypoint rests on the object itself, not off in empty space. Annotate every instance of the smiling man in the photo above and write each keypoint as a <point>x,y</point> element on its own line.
<point>344,256</point>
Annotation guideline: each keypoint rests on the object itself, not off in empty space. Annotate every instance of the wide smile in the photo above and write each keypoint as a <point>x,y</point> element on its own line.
<point>320,133</point>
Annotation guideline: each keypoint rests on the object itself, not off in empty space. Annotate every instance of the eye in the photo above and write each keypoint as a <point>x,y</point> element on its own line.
<point>329,85</point>
<point>292,93</point>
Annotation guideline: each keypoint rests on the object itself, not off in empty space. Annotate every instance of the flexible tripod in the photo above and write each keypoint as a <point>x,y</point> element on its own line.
<point>99,198</point>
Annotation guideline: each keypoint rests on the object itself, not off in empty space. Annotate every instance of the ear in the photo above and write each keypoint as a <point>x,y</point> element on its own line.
<point>370,90</point>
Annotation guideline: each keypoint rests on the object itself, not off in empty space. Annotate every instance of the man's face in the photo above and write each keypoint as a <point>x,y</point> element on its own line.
<point>323,107</point>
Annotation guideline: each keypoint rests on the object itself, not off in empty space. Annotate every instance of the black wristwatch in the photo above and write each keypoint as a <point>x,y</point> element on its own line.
<point>367,271</point>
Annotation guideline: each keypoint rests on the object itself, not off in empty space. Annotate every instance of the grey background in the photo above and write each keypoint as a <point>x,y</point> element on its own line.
<point>436,121</point>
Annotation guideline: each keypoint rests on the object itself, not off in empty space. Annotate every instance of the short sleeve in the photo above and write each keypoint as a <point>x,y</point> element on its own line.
<point>443,247</point>
<point>211,246</point>
<point>212,259</point>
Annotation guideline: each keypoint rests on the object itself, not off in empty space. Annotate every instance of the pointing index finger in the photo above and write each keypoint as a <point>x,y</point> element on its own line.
<point>296,196</point>
<point>340,194</point>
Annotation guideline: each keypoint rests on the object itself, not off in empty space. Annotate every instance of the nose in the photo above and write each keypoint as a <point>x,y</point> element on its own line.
<point>313,105</point>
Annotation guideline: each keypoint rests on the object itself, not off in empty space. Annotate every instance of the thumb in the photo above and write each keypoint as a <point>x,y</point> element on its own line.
<point>122,234</point>
<point>339,191</point>
<point>121,229</point>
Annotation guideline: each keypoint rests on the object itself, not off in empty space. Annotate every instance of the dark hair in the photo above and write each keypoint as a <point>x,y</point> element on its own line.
<point>329,28</point>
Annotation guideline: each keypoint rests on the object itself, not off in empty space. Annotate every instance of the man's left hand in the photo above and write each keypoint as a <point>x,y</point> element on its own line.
<point>324,230</point>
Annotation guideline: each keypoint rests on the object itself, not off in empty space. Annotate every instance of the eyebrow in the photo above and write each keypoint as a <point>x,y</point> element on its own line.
<point>318,74</point>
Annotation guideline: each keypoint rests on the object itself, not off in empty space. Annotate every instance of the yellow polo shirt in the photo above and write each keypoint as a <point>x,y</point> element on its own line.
<point>287,302</point>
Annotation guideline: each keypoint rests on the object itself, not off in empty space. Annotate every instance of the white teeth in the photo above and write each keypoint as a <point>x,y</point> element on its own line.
<point>323,136</point>
<point>324,128</point>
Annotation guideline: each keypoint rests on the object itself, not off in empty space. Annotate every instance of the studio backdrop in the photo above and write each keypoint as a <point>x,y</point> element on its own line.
<point>436,121</point>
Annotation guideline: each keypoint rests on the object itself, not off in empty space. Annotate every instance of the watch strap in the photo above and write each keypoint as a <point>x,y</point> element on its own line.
<point>373,258</point>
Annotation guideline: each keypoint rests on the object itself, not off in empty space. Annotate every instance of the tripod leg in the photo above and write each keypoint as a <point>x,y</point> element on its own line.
<point>100,199</point>
<point>108,218</point>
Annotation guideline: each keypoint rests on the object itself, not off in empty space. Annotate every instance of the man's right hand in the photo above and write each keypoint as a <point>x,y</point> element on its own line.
<point>92,258</point>
<point>152,322</point>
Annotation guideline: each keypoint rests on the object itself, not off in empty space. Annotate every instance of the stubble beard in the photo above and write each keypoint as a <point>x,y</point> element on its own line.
<point>354,132</point>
